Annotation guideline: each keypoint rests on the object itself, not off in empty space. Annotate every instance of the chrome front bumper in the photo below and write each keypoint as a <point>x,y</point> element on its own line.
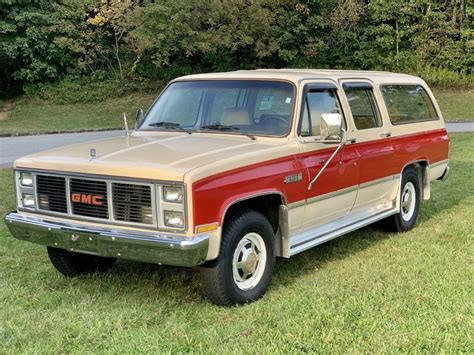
<point>152,247</point>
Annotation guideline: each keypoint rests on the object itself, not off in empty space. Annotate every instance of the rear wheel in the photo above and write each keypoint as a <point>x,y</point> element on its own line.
<point>410,197</point>
<point>75,264</point>
<point>244,268</point>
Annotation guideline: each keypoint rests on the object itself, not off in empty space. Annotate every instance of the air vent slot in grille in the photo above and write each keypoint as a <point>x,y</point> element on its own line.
<point>51,192</point>
<point>89,198</point>
<point>132,203</point>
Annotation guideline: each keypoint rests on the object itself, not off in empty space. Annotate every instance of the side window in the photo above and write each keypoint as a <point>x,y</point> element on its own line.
<point>363,107</point>
<point>408,104</point>
<point>317,103</point>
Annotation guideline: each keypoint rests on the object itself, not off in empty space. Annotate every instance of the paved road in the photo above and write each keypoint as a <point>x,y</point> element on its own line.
<point>12,148</point>
<point>460,127</point>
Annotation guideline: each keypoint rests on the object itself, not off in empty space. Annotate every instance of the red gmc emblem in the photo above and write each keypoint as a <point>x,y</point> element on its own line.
<point>87,199</point>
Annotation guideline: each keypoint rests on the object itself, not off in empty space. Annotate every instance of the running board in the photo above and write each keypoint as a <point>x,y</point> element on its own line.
<point>322,234</point>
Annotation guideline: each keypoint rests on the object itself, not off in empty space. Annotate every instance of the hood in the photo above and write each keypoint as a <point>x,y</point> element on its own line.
<point>160,156</point>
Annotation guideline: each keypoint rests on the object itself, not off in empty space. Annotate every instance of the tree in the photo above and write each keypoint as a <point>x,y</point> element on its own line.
<point>181,36</point>
<point>114,18</point>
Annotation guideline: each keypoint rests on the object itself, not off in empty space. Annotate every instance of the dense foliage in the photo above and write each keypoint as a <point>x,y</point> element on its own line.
<point>47,41</point>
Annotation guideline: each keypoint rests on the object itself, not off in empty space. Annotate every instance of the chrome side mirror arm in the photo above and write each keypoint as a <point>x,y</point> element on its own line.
<point>341,144</point>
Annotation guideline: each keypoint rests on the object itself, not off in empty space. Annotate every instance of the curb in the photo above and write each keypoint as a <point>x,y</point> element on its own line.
<point>19,134</point>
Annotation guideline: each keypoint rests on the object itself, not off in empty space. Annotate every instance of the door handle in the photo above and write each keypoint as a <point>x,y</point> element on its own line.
<point>388,134</point>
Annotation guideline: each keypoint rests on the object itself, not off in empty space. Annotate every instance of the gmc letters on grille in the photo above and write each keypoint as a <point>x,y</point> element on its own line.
<point>89,198</point>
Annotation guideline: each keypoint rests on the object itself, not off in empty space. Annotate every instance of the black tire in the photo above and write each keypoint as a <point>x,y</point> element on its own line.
<point>399,222</point>
<point>75,264</point>
<point>218,279</point>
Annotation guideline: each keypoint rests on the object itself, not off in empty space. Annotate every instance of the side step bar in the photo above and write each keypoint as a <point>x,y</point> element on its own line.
<point>320,235</point>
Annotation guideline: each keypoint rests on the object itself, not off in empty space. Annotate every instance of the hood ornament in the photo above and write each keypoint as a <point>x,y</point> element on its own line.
<point>92,153</point>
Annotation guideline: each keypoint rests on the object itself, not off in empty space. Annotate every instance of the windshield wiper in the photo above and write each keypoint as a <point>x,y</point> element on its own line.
<point>226,128</point>
<point>170,125</point>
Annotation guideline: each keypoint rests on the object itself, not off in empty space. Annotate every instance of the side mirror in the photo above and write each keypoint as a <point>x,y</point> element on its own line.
<point>139,117</point>
<point>331,128</point>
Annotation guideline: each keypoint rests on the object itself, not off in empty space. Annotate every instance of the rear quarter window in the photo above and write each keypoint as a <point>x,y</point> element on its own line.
<point>408,104</point>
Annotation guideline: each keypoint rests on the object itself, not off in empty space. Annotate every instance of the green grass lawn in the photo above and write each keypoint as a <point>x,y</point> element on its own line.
<point>369,291</point>
<point>456,105</point>
<point>38,116</point>
<point>30,116</point>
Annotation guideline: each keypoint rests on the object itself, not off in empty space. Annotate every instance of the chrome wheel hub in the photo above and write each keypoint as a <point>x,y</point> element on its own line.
<point>248,262</point>
<point>408,201</point>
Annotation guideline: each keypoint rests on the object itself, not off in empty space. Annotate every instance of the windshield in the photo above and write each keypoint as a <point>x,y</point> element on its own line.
<point>232,106</point>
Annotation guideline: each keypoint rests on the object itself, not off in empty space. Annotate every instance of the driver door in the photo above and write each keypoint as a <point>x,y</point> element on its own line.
<point>333,194</point>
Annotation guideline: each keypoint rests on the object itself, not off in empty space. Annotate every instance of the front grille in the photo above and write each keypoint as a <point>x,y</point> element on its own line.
<point>89,198</point>
<point>132,203</point>
<point>51,193</point>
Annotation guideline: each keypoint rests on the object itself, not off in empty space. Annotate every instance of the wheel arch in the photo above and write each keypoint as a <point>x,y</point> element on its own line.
<point>272,204</point>
<point>421,167</point>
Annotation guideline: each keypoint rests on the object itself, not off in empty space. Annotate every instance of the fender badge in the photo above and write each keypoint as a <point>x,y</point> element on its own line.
<point>293,178</point>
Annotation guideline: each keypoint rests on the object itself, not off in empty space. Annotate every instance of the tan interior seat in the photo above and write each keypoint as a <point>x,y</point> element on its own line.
<point>316,121</point>
<point>364,122</point>
<point>235,116</point>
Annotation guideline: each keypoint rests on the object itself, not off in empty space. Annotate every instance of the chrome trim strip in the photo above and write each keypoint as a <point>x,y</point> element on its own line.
<point>341,191</point>
<point>151,247</point>
<point>332,194</point>
<point>296,204</point>
<point>98,176</point>
<point>68,196</point>
<point>379,181</point>
<point>248,197</point>
<point>322,234</point>
<point>110,207</point>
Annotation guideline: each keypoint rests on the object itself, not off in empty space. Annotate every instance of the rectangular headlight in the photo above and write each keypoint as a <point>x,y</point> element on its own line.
<point>174,219</point>
<point>173,194</point>
<point>27,200</point>
<point>26,179</point>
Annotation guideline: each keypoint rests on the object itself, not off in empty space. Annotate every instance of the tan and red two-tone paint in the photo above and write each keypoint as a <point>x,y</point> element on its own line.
<point>219,170</point>
<point>356,164</point>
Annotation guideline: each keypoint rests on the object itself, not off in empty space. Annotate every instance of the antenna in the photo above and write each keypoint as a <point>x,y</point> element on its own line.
<point>125,122</point>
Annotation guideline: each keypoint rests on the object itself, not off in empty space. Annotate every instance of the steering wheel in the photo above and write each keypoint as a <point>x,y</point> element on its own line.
<point>273,120</point>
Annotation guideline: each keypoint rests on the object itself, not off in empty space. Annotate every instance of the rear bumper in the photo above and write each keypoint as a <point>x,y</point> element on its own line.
<point>150,247</point>
<point>445,175</point>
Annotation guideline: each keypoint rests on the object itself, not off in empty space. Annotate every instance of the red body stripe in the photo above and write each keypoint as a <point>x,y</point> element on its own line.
<point>361,162</point>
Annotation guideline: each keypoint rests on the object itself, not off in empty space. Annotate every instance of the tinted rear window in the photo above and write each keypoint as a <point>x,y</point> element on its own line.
<point>408,104</point>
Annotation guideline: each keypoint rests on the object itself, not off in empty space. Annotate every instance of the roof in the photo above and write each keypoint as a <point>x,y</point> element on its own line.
<point>297,75</point>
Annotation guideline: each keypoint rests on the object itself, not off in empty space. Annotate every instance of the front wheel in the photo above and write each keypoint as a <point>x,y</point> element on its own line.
<point>244,268</point>
<point>75,264</point>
